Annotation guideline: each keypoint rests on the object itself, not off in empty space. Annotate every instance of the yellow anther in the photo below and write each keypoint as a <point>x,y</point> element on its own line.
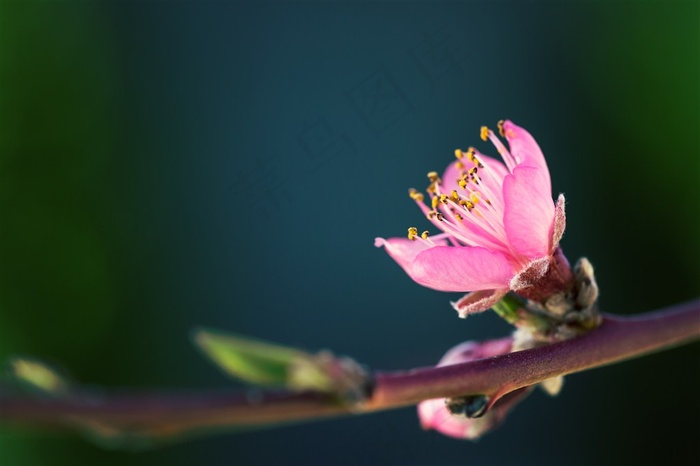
<point>473,171</point>
<point>458,153</point>
<point>462,184</point>
<point>439,216</point>
<point>466,204</point>
<point>425,234</point>
<point>433,177</point>
<point>412,233</point>
<point>471,155</point>
<point>431,214</point>
<point>458,217</point>
<point>484,133</point>
<point>500,128</point>
<point>415,195</point>
<point>434,202</point>
<point>454,195</point>
<point>474,197</point>
<point>431,188</point>
<point>443,198</point>
<point>459,165</point>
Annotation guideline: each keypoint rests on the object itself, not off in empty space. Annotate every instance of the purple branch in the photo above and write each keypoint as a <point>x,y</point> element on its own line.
<point>617,339</point>
<point>167,415</point>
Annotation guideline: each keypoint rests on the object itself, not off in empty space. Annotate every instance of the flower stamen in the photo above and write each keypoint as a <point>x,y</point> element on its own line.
<point>489,194</point>
<point>471,155</point>
<point>434,178</point>
<point>424,237</point>
<point>487,222</point>
<point>484,221</point>
<point>415,195</point>
<point>450,219</point>
<point>484,133</point>
<point>507,157</point>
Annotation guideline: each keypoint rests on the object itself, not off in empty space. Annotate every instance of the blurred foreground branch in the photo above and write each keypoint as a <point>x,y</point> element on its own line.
<point>124,417</point>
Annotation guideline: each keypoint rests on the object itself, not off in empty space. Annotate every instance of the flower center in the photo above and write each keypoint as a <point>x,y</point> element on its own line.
<point>469,208</point>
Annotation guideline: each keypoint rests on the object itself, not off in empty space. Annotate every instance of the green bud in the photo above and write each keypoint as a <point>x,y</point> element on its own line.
<point>269,364</point>
<point>38,376</point>
<point>517,313</point>
<point>253,361</point>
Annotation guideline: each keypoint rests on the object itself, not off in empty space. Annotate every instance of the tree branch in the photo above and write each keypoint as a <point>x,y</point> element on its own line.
<point>161,415</point>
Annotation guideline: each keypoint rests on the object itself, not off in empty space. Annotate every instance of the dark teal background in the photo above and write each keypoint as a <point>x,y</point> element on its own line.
<point>228,164</point>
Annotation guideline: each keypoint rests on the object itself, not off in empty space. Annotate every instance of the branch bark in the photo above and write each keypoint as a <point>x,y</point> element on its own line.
<point>165,415</point>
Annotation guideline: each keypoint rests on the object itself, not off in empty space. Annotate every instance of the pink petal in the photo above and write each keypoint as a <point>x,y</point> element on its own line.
<point>473,350</point>
<point>446,268</point>
<point>525,149</point>
<point>529,275</point>
<point>529,212</point>
<point>478,301</point>
<point>450,177</point>
<point>433,414</point>
<point>404,250</point>
<point>559,222</point>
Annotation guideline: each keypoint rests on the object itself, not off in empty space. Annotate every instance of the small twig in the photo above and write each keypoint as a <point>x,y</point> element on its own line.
<point>160,415</point>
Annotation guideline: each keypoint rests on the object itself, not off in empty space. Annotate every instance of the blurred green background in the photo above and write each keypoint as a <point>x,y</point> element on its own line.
<point>228,164</point>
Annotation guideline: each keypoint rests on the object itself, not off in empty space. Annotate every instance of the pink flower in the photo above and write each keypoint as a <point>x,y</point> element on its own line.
<point>435,414</point>
<point>500,227</point>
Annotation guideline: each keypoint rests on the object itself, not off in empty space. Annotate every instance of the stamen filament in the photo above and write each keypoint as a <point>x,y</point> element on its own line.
<point>507,158</point>
<point>490,226</point>
<point>461,224</point>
